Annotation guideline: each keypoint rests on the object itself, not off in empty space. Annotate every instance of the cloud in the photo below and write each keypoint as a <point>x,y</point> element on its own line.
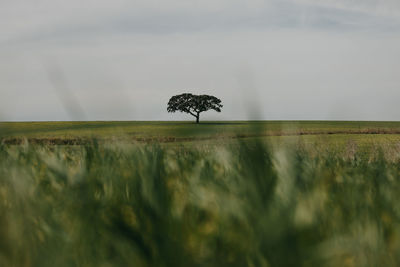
<point>390,8</point>
<point>49,20</point>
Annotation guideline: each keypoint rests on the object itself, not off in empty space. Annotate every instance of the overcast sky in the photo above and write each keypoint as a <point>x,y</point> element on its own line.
<point>272,59</point>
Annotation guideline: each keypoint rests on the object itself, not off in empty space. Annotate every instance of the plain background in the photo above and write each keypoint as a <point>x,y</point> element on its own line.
<point>274,59</point>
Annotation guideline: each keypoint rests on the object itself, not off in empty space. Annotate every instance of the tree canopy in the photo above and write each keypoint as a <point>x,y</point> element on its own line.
<point>194,104</point>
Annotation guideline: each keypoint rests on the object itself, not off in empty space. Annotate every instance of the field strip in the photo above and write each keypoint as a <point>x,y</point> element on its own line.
<point>171,139</point>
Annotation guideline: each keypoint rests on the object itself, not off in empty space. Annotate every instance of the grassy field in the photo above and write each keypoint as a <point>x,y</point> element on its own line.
<point>188,129</point>
<point>168,132</point>
<point>216,194</point>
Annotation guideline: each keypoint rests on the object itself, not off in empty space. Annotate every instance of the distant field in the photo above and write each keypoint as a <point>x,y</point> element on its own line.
<point>78,132</point>
<point>365,137</point>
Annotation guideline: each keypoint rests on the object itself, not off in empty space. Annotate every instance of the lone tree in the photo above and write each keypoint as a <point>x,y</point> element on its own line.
<point>194,104</point>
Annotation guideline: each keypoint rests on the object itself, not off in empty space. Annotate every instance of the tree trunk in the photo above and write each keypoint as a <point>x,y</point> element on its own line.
<point>197,118</point>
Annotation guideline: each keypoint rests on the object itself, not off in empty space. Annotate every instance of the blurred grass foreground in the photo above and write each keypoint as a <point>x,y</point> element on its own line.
<point>242,204</point>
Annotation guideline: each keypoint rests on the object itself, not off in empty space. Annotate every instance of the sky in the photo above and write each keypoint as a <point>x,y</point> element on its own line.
<point>269,60</point>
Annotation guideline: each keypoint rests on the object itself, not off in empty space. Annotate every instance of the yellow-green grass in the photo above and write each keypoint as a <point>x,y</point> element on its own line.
<point>214,129</point>
<point>343,137</point>
<point>116,204</point>
<point>221,194</point>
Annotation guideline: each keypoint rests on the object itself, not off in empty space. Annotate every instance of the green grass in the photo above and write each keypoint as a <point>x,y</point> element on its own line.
<point>187,129</point>
<point>336,135</point>
<point>298,200</point>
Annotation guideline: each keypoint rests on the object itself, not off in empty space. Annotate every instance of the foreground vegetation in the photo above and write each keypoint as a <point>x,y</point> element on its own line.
<point>246,203</point>
<point>217,194</point>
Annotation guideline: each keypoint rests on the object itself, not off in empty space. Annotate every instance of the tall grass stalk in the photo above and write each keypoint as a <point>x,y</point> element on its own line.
<point>239,205</point>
